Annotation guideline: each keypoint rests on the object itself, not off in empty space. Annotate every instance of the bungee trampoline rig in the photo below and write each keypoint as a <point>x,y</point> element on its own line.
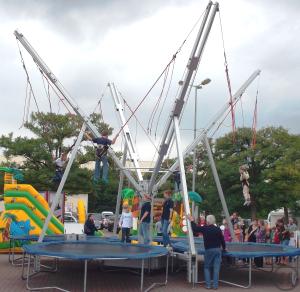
<point>109,250</point>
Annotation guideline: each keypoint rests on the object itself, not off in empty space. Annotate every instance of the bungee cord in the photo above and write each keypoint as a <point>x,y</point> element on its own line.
<point>228,82</point>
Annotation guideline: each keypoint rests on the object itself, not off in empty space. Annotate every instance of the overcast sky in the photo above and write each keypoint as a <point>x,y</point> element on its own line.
<point>90,43</point>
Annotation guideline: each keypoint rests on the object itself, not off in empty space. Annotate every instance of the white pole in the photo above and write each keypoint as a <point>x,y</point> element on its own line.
<point>218,184</point>
<point>195,135</point>
<point>184,186</point>
<point>61,184</point>
<point>121,183</point>
<point>45,69</point>
<point>199,138</point>
<point>131,147</point>
<point>192,66</point>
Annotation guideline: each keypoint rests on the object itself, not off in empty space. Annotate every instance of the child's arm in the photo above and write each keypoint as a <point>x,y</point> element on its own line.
<point>121,220</point>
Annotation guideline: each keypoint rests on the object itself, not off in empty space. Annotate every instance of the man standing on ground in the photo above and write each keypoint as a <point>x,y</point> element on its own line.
<point>166,217</point>
<point>145,219</point>
<point>213,242</point>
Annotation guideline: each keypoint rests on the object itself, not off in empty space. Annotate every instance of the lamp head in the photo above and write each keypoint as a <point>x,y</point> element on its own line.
<point>205,81</point>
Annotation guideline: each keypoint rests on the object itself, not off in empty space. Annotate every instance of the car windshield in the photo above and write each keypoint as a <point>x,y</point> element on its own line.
<point>69,219</point>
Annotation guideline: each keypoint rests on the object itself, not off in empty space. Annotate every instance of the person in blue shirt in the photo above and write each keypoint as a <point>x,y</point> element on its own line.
<point>145,219</point>
<point>166,217</point>
<point>103,144</point>
<point>214,243</point>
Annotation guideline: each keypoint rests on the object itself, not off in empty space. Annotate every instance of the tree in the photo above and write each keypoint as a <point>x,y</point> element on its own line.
<point>52,135</point>
<point>273,168</point>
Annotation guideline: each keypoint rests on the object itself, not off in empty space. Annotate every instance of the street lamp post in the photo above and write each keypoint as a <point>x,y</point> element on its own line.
<point>197,87</point>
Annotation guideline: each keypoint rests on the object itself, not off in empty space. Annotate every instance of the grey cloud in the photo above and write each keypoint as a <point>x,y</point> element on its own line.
<point>83,19</point>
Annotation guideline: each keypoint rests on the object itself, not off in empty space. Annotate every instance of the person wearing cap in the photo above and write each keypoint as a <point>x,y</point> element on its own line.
<point>125,223</point>
<point>101,154</point>
<point>145,219</point>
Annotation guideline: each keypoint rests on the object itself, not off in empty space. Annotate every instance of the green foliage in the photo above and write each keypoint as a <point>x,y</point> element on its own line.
<point>274,165</point>
<point>52,135</point>
<point>274,168</point>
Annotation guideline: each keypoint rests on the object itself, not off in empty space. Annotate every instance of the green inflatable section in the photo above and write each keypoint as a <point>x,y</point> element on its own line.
<point>31,215</point>
<point>36,204</point>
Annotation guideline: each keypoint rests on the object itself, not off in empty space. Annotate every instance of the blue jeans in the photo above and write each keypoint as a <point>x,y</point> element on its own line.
<point>125,234</point>
<point>104,161</point>
<point>145,232</point>
<point>165,232</point>
<point>177,187</point>
<point>58,175</point>
<point>212,261</point>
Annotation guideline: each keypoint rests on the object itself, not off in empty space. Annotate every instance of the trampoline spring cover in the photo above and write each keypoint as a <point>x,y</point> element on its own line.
<point>246,250</point>
<point>85,250</point>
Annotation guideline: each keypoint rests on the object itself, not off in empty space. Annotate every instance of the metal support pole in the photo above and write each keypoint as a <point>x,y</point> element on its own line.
<point>195,135</point>
<point>53,79</point>
<point>237,96</point>
<point>62,183</point>
<point>142,275</point>
<point>192,66</point>
<point>131,147</point>
<point>218,184</point>
<point>85,276</point>
<point>184,186</point>
<point>119,197</point>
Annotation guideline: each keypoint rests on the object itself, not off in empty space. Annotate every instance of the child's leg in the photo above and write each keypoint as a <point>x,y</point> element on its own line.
<point>123,232</point>
<point>127,234</point>
<point>246,192</point>
<point>97,170</point>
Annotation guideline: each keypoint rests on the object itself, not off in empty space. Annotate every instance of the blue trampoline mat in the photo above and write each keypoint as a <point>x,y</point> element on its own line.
<point>59,237</point>
<point>85,250</point>
<point>245,250</point>
<point>159,239</point>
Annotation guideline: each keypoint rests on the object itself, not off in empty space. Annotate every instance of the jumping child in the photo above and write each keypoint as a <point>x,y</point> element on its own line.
<point>244,176</point>
<point>59,167</point>
<point>101,154</point>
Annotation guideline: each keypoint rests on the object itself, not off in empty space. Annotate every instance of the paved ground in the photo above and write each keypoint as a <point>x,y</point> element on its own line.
<point>70,276</point>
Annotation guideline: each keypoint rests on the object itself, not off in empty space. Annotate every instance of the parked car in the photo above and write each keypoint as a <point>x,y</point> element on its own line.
<point>110,223</point>
<point>104,219</point>
<point>105,214</point>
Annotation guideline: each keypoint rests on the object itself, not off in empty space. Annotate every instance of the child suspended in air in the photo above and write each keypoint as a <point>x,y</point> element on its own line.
<point>244,176</point>
<point>103,144</point>
<point>177,180</point>
<point>60,163</point>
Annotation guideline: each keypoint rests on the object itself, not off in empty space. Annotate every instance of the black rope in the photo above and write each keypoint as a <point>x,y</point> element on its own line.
<point>137,120</point>
<point>165,99</point>
<point>47,90</point>
<point>155,109</point>
<point>28,87</point>
<point>162,73</point>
